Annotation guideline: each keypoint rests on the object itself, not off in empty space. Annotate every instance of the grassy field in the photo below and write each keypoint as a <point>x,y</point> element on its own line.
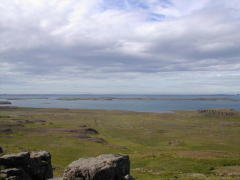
<point>184,145</point>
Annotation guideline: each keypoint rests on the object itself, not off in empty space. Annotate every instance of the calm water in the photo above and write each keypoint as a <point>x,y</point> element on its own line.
<point>131,105</point>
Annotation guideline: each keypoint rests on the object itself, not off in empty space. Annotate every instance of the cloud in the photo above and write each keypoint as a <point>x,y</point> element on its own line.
<point>65,41</point>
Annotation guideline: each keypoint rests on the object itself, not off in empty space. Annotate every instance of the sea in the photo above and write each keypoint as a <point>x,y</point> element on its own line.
<point>50,101</point>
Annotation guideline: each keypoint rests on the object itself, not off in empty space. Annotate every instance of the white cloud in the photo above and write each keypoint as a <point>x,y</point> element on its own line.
<point>98,41</point>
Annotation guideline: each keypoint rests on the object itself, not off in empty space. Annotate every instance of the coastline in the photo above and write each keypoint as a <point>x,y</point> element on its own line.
<point>148,99</point>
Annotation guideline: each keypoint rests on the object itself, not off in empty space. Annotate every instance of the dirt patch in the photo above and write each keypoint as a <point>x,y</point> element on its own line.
<point>11,125</point>
<point>83,126</point>
<point>81,133</point>
<point>175,142</point>
<point>149,171</point>
<point>93,139</point>
<point>194,175</point>
<point>63,133</point>
<point>2,116</point>
<point>83,130</point>
<point>44,132</point>
<point>6,131</point>
<point>227,171</point>
<point>229,124</point>
<point>25,121</point>
<point>39,121</point>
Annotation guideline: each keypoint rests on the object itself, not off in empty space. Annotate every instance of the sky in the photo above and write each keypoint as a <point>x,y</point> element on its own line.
<point>120,46</point>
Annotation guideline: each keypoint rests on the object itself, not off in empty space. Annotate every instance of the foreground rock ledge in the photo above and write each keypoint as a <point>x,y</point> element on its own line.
<point>26,166</point>
<point>103,167</point>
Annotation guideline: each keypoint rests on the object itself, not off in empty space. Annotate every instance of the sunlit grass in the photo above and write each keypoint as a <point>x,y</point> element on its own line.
<point>183,145</point>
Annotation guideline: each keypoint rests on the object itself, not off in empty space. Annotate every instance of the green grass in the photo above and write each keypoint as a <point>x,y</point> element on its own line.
<point>183,145</point>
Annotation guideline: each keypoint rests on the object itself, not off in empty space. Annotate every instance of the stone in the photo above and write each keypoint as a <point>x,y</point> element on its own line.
<point>129,177</point>
<point>12,171</point>
<point>103,167</point>
<point>40,165</point>
<point>27,166</point>
<point>14,174</point>
<point>15,160</point>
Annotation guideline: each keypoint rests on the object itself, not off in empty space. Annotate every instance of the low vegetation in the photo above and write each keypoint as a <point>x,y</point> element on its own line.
<point>184,145</point>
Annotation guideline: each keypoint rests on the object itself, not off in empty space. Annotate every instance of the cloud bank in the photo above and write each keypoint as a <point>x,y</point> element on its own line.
<point>111,46</point>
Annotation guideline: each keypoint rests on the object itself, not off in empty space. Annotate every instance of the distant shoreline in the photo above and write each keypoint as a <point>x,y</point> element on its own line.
<point>145,99</point>
<point>5,102</point>
<point>25,98</point>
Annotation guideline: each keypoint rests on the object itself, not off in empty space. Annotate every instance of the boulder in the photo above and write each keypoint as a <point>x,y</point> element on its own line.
<point>27,166</point>
<point>129,177</point>
<point>15,160</point>
<point>103,167</point>
<point>14,174</point>
<point>40,165</point>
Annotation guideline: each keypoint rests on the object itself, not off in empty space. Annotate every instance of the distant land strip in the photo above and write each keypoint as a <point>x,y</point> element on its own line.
<point>26,98</point>
<point>5,102</point>
<point>146,99</point>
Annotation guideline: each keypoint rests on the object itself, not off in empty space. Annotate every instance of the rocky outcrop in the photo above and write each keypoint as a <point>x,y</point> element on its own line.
<point>14,174</point>
<point>83,129</point>
<point>27,166</point>
<point>103,167</point>
<point>6,130</point>
<point>41,167</point>
<point>84,132</point>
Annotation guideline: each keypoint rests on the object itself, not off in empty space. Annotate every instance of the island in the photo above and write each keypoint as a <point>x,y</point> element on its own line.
<point>26,98</point>
<point>147,98</point>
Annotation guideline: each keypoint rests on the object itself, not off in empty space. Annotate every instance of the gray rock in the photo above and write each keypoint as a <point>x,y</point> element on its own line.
<point>129,177</point>
<point>27,166</point>
<point>12,171</point>
<point>40,165</point>
<point>15,174</point>
<point>15,160</point>
<point>103,167</point>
